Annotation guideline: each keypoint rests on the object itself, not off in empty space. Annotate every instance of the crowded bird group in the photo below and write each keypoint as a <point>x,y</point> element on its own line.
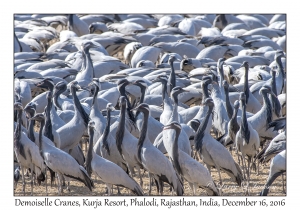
<point>175,97</point>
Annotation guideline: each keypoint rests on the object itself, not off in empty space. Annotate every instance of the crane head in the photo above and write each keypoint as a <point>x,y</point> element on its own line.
<point>161,78</point>
<point>236,104</point>
<point>122,101</point>
<point>75,84</point>
<point>140,83</point>
<point>49,95</point>
<point>46,83</point>
<point>173,125</point>
<point>177,90</point>
<point>242,96</point>
<point>209,102</point>
<point>91,124</point>
<point>18,106</point>
<point>143,107</point>
<point>245,64</point>
<point>110,107</point>
<point>38,117</point>
<point>225,84</point>
<point>30,109</point>
<point>122,83</point>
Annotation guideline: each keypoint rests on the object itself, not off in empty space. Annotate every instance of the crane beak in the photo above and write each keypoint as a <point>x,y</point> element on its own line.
<point>77,86</point>
<point>134,109</point>
<point>273,94</point>
<point>91,84</point>
<point>156,80</point>
<point>166,127</point>
<point>33,118</point>
<point>184,90</point>
<point>39,84</point>
<point>95,45</point>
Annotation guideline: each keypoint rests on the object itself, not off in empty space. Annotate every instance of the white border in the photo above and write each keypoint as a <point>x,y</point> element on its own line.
<point>152,6</point>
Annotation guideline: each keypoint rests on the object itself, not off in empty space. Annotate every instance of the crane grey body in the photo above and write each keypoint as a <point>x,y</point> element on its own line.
<point>153,160</point>
<point>191,170</point>
<point>247,141</point>
<point>277,167</point>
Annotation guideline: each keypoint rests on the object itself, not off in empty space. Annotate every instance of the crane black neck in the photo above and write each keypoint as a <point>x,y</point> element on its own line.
<point>17,135</point>
<point>48,125</point>
<point>88,59</point>
<point>143,92</point>
<point>172,78</point>
<point>95,94</point>
<point>70,27</point>
<point>31,126</point>
<point>106,132</point>
<point>246,85</point>
<point>205,90</point>
<point>244,127</point>
<point>21,49</point>
<point>273,82</point>
<point>121,129</point>
<point>78,107</point>
<point>228,105</point>
<point>201,130</point>
<point>268,107</point>
<point>42,123</point>
<point>143,134</point>
<point>89,155</point>
<point>164,89</point>
<point>174,96</point>
<point>175,152</point>
<point>55,99</point>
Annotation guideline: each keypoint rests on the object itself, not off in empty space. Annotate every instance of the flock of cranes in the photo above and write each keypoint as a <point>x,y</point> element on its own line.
<point>190,92</point>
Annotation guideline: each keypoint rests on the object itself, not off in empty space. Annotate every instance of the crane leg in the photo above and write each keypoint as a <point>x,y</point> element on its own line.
<point>119,193</point>
<point>62,181</point>
<point>248,172</point>
<point>160,187</point>
<point>282,176</point>
<point>150,185</point>
<point>244,167</point>
<point>31,182</point>
<point>140,175</point>
<point>131,170</point>
<point>238,155</point>
<point>106,191</point>
<point>192,188</point>
<point>58,184</point>
<point>46,182</point>
<point>218,168</point>
<point>208,168</point>
<point>68,187</point>
<point>109,187</point>
<point>23,180</point>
